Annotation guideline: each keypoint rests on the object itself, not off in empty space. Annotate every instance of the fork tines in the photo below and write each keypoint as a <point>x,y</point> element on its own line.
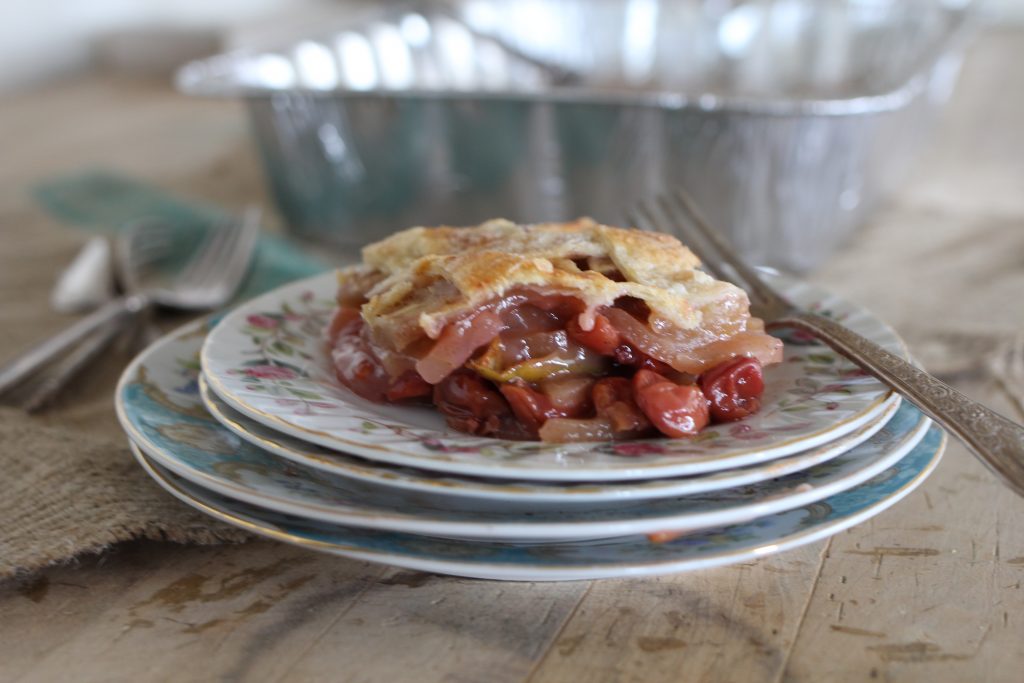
<point>676,213</point>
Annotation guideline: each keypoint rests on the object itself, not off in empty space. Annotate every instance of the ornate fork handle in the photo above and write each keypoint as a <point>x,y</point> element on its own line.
<point>999,442</point>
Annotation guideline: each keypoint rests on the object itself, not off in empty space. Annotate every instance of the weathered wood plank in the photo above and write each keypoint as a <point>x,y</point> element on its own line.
<point>929,590</point>
<point>728,624</point>
<point>416,626</point>
<point>186,614</point>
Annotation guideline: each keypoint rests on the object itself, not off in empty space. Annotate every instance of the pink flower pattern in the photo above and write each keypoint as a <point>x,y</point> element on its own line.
<point>279,336</point>
<point>637,449</point>
<point>263,322</point>
<point>270,372</point>
<point>746,432</point>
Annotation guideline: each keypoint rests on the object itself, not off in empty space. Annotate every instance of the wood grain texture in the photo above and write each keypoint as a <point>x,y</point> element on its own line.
<point>932,592</point>
<point>928,591</point>
<point>735,623</point>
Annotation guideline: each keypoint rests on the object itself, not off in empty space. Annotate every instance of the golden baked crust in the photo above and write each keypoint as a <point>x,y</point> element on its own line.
<point>577,239</point>
<point>422,278</point>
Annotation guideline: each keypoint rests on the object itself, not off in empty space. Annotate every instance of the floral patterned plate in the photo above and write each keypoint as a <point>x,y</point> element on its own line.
<point>161,412</point>
<point>630,556</point>
<point>267,360</point>
<point>564,493</point>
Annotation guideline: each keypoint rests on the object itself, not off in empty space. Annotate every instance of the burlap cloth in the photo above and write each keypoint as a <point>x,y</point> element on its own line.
<point>64,493</point>
<point>68,482</point>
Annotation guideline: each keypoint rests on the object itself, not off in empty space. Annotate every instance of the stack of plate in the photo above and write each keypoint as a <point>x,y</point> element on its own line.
<point>242,419</point>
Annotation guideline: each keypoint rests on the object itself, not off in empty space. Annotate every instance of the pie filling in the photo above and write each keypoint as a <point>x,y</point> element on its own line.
<point>534,365</point>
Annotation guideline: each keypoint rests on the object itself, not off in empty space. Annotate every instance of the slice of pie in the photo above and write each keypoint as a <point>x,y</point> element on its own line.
<point>558,331</point>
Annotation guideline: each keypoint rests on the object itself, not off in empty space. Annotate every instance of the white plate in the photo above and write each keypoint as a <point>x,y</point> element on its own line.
<point>267,359</point>
<point>622,557</point>
<point>159,407</point>
<point>564,493</point>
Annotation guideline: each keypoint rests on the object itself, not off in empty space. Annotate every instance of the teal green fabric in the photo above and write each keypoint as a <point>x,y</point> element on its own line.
<point>104,202</point>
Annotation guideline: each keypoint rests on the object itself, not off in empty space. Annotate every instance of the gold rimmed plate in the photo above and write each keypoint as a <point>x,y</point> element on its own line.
<point>160,409</point>
<point>310,455</point>
<point>267,360</point>
<point>619,557</point>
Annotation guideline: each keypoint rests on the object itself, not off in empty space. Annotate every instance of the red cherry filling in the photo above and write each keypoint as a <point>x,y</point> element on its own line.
<point>523,367</point>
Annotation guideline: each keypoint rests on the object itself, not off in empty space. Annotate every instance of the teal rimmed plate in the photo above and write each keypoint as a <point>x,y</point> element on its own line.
<point>621,557</point>
<point>159,407</point>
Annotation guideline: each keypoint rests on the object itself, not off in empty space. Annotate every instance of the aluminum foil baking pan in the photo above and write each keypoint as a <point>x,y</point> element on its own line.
<point>787,120</point>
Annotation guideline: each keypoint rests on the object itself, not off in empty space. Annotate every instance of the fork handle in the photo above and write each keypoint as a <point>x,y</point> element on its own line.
<point>28,363</point>
<point>996,440</point>
<point>76,361</point>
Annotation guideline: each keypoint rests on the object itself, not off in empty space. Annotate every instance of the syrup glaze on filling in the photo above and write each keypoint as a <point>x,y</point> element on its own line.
<point>546,363</point>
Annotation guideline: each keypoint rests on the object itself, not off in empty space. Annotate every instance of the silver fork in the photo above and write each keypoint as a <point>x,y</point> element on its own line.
<point>996,440</point>
<point>208,280</point>
<point>139,245</point>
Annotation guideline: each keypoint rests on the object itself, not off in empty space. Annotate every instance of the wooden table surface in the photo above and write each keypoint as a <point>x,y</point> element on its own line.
<point>929,590</point>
